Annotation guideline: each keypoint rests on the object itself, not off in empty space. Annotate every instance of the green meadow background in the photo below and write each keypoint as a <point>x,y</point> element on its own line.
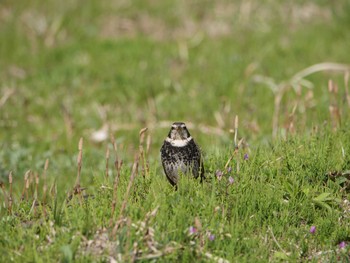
<point>102,69</point>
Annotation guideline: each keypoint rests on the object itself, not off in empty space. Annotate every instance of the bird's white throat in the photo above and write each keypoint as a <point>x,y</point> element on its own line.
<point>179,143</point>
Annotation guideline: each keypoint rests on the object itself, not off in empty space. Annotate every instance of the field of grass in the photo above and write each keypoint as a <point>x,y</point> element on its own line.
<point>104,70</point>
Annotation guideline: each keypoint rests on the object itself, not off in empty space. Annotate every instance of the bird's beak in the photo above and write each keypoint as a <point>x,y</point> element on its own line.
<point>179,130</point>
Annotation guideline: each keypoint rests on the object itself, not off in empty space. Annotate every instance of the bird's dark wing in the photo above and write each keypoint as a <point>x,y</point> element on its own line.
<point>197,158</point>
<point>165,154</point>
<point>201,170</point>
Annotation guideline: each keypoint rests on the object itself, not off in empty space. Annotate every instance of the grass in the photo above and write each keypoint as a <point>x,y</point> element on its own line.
<point>279,193</point>
<point>91,69</point>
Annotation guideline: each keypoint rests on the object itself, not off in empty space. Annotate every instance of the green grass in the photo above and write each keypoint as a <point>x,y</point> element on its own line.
<point>278,193</point>
<point>67,70</point>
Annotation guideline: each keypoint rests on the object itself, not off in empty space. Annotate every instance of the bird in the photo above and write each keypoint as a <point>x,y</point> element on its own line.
<point>181,155</point>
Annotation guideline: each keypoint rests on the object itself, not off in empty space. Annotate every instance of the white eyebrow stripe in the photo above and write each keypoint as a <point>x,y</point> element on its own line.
<point>179,143</point>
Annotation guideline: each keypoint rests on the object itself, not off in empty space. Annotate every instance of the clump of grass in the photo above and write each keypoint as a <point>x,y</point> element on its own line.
<point>296,82</point>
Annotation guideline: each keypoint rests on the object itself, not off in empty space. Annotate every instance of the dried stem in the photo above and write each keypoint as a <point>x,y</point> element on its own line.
<point>277,105</point>
<point>26,185</point>
<point>291,118</point>
<point>45,180</point>
<point>35,201</point>
<point>115,188</point>
<point>128,236</point>
<point>142,152</point>
<point>333,107</point>
<point>27,182</point>
<point>6,95</point>
<point>68,121</point>
<point>2,186</point>
<point>346,81</point>
<point>132,178</point>
<point>134,252</point>
<point>148,237</point>
<point>148,143</point>
<point>236,131</point>
<point>117,163</point>
<point>79,162</point>
<point>77,190</point>
<point>234,154</point>
<point>274,239</point>
<point>10,200</point>
<point>236,145</point>
<point>107,161</point>
<point>46,166</point>
<point>198,225</point>
<point>142,135</point>
<point>53,189</point>
<point>230,159</point>
<point>317,68</point>
<point>298,79</point>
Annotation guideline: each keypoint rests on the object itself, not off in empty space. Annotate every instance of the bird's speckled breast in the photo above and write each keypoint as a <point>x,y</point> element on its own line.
<point>180,160</point>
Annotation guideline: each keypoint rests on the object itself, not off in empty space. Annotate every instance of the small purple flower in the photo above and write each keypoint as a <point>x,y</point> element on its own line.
<point>229,169</point>
<point>219,174</point>
<point>211,237</point>
<point>192,230</point>
<point>231,180</point>
<point>312,229</point>
<point>246,157</point>
<point>342,245</point>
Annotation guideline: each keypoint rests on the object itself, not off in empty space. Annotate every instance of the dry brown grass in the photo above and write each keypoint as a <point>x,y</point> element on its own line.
<point>219,20</point>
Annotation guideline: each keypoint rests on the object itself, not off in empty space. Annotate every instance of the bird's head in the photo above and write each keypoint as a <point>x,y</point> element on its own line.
<point>179,131</point>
